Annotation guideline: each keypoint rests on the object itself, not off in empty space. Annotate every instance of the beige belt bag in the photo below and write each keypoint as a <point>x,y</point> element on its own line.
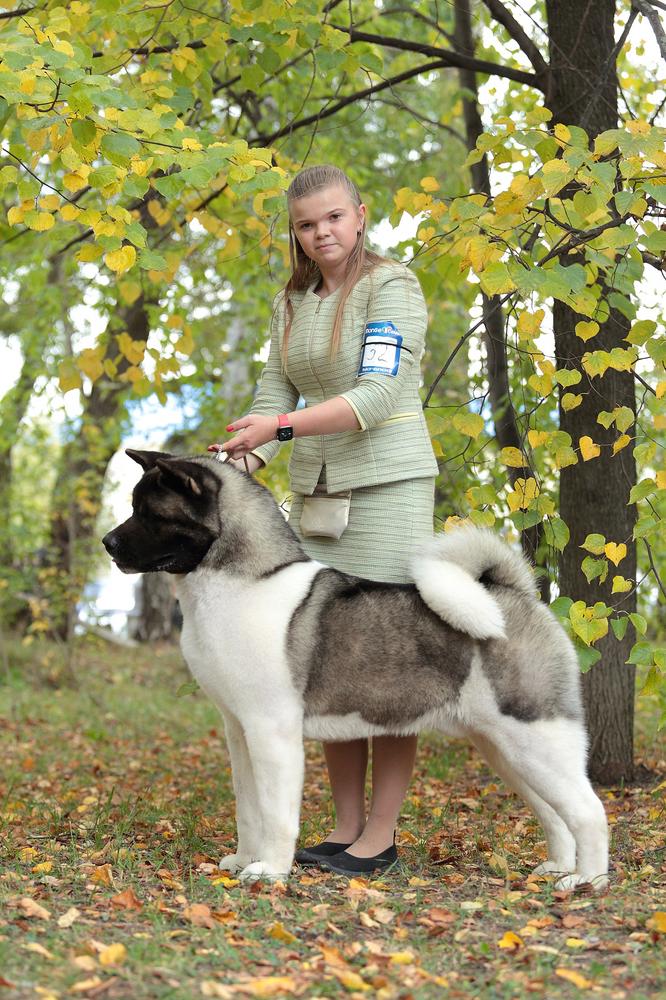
<point>325,515</point>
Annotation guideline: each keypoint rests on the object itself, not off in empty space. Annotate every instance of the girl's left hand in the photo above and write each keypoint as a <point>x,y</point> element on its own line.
<point>252,431</point>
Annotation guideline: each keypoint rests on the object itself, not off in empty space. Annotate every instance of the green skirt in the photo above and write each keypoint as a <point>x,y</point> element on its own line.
<point>386,523</point>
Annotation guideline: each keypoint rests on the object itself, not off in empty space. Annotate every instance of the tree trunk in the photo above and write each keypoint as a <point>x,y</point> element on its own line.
<point>507,433</point>
<point>594,495</point>
<point>83,466</point>
<point>155,612</point>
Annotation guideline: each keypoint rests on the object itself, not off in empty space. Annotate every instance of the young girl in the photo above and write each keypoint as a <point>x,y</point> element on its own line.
<point>347,335</point>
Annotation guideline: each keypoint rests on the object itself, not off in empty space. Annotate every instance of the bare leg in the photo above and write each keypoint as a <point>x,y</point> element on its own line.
<point>392,766</point>
<point>347,764</point>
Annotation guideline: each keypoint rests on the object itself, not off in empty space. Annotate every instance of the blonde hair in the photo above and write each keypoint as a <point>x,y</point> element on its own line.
<point>304,270</point>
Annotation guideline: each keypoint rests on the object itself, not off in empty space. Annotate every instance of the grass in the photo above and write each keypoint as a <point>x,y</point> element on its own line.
<point>116,802</point>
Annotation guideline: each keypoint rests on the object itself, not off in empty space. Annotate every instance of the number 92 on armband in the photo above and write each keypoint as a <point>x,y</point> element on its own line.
<point>382,345</point>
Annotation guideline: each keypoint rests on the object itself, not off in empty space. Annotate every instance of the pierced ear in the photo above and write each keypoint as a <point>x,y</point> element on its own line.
<point>179,476</point>
<point>146,459</point>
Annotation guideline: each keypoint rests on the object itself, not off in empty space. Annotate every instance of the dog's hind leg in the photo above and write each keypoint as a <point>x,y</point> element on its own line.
<point>248,815</point>
<point>559,839</point>
<point>549,756</point>
<point>276,754</point>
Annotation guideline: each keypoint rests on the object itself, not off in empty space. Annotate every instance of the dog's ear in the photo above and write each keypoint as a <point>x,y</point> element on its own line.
<point>179,476</point>
<point>146,459</point>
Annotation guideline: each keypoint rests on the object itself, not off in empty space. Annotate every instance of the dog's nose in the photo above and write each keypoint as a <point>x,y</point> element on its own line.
<point>110,542</point>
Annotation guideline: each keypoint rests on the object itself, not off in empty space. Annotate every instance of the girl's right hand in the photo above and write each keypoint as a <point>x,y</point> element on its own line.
<point>253,461</point>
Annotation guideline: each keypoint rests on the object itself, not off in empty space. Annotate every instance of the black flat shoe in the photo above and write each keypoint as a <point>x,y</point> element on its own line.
<point>346,864</point>
<point>314,855</point>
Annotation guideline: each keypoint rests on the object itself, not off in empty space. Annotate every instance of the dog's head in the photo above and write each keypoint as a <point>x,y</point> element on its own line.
<point>174,519</point>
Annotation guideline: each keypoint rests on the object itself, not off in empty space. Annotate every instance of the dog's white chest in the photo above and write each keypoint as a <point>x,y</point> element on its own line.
<point>235,634</point>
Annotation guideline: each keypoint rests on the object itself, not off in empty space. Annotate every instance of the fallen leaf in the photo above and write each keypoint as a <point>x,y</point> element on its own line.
<point>657,922</point>
<point>67,919</point>
<point>199,915</point>
<point>574,942</point>
<point>351,980</point>
<point>115,954</point>
<point>266,986</point>
<point>32,909</point>
<point>84,985</point>
<point>85,962</point>
<point>280,933</point>
<point>401,957</point>
<point>574,977</point>
<point>102,875</point>
<point>510,941</point>
<point>38,949</point>
<point>126,900</point>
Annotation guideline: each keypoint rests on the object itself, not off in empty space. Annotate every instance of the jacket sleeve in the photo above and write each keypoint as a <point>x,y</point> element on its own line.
<point>396,298</point>
<point>276,393</point>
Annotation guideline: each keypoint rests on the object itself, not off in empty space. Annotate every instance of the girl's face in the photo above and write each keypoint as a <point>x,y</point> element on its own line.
<point>326,224</point>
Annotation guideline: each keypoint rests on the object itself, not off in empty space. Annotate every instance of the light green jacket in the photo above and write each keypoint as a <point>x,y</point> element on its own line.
<point>393,442</point>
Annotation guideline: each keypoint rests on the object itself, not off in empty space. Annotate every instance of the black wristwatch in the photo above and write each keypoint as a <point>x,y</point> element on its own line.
<point>285,431</point>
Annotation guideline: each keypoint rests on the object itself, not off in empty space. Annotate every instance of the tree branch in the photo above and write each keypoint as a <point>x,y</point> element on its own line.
<point>531,50</point>
<point>647,10</point>
<point>350,99</point>
<point>447,57</point>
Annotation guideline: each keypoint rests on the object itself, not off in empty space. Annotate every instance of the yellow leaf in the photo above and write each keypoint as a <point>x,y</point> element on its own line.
<point>586,330</point>
<point>84,985</point>
<point>280,933</point>
<point>60,45</point>
<point>621,585</point>
<point>121,260</point>
<point>537,438</point>
<point>615,553</point>
<point>524,491</point>
<point>529,324</point>
<point>102,875</point>
<point>574,977</point>
<point>468,423</point>
<point>429,184</point>
<point>27,853</point>
<point>69,377</point>
<point>129,291</point>
<point>266,986</point>
<point>39,221</point>
<point>510,941</point>
<point>38,949</point>
<point>115,954</point>
<point>402,957</point>
<point>661,479</point>
<point>43,868</point>
<point>588,448</point>
<point>73,181</point>
<point>621,443</point>
<point>574,942</point>
<point>15,215</point>
<point>90,362</point>
<point>69,212</point>
<point>657,922</point>
<point>661,389</point>
<point>570,401</point>
<point>513,457</point>
<point>192,144</point>
<point>133,350</point>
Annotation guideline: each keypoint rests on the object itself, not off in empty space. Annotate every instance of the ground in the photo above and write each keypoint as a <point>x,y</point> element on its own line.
<point>116,803</point>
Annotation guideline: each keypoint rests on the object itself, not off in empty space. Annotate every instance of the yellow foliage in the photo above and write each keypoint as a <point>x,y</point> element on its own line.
<point>588,448</point>
<point>513,457</point>
<point>529,324</point>
<point>523,493</point>
<point>121,260</point>
<point>429,184</point>
<point>615,553</point>
<point>570,401</point>
<point>621,443</point>
<point>587,330</point>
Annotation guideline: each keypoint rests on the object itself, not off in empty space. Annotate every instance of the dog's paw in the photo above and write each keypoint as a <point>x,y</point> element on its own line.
<point>552,868</point>
<point>261,870</point>
<point>232,863</point>
<point>597,884</point>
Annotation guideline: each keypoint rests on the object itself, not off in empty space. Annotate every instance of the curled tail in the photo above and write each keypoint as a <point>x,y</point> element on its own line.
<point>450,571</point>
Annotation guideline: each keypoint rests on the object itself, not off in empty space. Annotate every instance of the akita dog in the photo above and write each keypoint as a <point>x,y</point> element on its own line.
<point>287,647</point>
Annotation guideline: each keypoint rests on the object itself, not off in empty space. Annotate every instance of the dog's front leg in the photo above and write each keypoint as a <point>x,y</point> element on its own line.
<point>276,753</point>
<point>248,814</point>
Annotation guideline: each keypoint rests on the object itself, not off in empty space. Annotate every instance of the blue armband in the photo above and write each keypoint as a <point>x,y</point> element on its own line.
<point>382,345</point>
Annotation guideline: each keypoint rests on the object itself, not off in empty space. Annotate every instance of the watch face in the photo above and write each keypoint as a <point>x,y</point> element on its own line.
<point>285,433</point>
